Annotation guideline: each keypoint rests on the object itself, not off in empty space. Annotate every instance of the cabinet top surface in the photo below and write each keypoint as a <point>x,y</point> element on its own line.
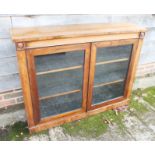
<point>72,31</point>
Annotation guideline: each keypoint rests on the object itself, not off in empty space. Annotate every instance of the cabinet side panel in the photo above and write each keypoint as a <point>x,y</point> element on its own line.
<point>133,67</point>
<point>21,55</point>
<point>86,76</point>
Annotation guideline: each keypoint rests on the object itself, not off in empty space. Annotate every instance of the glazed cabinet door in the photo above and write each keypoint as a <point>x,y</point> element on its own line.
<point>59,80</point>
<point>110,71</point>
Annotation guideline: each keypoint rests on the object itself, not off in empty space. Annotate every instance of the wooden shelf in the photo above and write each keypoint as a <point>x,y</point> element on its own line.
<point>78,90</point>
<point>80,66</point>
<point>59,70</point>
<point>60,94</point>
<point>112,61</point>
<point>108,83</point>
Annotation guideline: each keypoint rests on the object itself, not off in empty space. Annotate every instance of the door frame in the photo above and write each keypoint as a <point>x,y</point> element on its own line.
<point>130,72</point>
<point>31,53</point>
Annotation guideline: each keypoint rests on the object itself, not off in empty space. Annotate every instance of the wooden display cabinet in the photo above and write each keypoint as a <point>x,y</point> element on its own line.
<point>70,72</point>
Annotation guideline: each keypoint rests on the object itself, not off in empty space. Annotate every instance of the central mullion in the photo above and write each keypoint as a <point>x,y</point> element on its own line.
<point>91,75</point>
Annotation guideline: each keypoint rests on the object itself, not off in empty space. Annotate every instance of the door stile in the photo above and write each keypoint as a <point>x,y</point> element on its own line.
<point>33,86</point>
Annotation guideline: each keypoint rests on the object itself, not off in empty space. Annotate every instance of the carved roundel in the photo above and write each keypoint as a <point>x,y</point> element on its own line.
<point>142,34</point>
<point>20,45</point>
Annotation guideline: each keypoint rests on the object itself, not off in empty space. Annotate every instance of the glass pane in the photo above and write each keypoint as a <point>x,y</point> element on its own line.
<point>110,72</point>
<point>114,52</point>
<point>59,61</point>
<point>108,92</point>
<point>59,81</point>
<point>60,104</point>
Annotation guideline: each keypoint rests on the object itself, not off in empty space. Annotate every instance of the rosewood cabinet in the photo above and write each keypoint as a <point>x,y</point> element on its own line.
<point>70,72</point>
